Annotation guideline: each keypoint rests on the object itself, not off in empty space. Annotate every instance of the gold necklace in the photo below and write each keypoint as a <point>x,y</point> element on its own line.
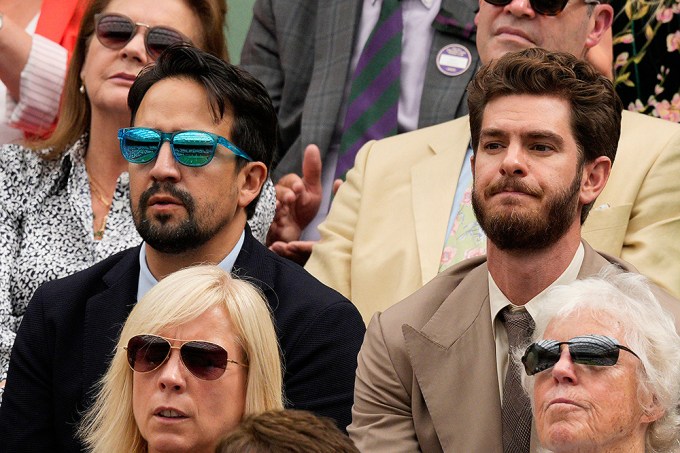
<point>98,193</point>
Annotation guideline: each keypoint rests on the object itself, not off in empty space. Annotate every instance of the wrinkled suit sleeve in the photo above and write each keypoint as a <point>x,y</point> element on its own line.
<point>652,242</point>
<point>26,422</point>
<point>331,259</point>
<point>320,366</point>
<point>260,55</point>
<point>382,419</point>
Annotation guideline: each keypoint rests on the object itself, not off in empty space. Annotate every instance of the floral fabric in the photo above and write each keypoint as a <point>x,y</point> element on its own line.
<point>647,57</point>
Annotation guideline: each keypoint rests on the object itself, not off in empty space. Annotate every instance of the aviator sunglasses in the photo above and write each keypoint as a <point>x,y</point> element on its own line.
<point>203,359</point>
<point>140,145</point>
<point>545,7</point>
<point>115,31</point>
<point>591,350</point>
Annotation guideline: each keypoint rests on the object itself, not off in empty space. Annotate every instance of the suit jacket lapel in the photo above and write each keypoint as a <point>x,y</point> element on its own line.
<point>454,362</point>
<point>105,314</point>
<point>433,183</point>
<point>337,23</point>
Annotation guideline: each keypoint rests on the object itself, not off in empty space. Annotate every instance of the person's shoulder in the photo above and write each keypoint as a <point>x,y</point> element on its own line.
<point>653,130</point>
<point>290,278</point>
<point>86,282</point>
<point>418,308</point>
<point>24,163</point>
<point>297,299</point>
<point>458,129</point>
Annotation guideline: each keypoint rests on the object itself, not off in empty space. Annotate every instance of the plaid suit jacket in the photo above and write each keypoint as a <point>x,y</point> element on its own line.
<point>301,51</point>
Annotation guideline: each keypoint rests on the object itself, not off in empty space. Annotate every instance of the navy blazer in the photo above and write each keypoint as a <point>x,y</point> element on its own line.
<point>71,327</point>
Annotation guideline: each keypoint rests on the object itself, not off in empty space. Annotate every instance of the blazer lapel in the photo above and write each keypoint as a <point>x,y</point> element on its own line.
<point>433,183</point>
<point>454,362</point>
<point>105,314</point>
<point>336,27</point>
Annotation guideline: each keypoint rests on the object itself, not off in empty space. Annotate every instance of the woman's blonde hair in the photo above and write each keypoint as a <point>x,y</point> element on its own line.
<point>109,425</point>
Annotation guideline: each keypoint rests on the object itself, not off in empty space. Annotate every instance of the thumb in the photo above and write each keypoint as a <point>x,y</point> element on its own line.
<point>311,166</point>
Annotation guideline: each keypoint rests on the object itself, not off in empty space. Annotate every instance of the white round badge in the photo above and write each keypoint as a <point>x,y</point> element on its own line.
<point>453,60</point>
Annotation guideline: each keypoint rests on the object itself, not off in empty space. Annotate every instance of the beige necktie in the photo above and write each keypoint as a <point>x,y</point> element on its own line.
<point>516,409</point>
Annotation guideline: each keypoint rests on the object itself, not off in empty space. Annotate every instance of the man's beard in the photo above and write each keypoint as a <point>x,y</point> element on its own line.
<point>532,230</point>
<point>161,234</point>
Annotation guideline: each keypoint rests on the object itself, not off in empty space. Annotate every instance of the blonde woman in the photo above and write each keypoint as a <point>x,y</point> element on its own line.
<point>197,354</point>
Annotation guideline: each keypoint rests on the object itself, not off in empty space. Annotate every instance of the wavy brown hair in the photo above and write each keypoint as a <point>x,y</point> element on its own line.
<point>595,106</point>
<point>74,116</point>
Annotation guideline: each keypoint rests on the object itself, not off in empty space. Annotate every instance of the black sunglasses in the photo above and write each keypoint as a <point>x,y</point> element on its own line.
<point>591,350</point>
<point>115,31</point>
<point>545,7</point>
<point>203,359</point>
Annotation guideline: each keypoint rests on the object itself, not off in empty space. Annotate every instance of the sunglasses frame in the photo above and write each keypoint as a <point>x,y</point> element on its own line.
<point>170,137</point>
<point>183,343</point>
<point>603,340</point>
<point>149,29</point>
<point>533,3</point>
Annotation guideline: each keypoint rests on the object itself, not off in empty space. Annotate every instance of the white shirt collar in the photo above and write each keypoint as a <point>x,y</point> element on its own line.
<point>148,281</point>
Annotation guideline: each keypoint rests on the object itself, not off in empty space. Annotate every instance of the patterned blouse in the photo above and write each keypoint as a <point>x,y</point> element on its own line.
<point>46,227</point>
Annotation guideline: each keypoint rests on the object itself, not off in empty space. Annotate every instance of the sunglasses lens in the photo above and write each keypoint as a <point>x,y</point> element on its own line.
<point>147,352</point>
<point>140,145</point>
<point>541,356</point>
<point>498,2</point>
<point>205,360</point>
<point>194,148</point>
<point>114,31</point>
<point>594,350</point>
<point>160,38</point>
<point>548,7</point>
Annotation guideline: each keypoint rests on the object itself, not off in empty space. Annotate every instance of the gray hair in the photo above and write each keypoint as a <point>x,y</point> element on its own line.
<point>650,331</point>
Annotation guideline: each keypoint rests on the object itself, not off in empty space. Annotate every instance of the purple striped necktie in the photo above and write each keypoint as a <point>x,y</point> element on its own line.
<point>374,94</point>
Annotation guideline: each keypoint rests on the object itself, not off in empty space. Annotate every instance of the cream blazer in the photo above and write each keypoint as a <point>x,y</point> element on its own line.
<point>385,232</point>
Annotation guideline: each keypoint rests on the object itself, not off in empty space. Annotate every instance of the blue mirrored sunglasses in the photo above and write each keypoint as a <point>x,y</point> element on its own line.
<point>140,145</point>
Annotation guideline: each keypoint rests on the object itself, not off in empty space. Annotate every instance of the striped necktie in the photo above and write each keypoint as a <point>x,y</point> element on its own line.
<point>516,408</point>
<point>374,94</point>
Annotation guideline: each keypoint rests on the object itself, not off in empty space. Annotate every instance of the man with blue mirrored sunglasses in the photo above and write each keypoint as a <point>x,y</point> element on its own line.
<point>200,148</point>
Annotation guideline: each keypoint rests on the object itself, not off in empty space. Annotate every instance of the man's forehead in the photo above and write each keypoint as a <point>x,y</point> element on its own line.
<point>531,116</point>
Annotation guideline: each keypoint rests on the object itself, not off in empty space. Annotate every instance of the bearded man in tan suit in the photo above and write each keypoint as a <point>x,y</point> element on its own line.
<point>431,370</point>
<point>385,233</point>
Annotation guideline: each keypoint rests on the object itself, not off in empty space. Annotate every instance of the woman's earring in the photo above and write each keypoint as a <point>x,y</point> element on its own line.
<point>82,89</point>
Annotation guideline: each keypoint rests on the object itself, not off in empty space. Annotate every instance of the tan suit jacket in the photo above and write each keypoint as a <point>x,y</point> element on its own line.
<point>426,377</point>
<point>385,232</point>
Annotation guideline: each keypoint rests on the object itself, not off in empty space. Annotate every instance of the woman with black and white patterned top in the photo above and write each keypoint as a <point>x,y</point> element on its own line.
<point>64,204</point>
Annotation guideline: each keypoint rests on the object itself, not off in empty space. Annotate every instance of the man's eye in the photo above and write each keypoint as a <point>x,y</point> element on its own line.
<point>542,147</point>
<point>493,145</point>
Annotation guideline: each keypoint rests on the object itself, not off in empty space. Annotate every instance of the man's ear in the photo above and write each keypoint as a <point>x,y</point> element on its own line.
<point>250,179</point>
<point>594,178</point>
<point>472,164</point>
<point>600,20</point>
